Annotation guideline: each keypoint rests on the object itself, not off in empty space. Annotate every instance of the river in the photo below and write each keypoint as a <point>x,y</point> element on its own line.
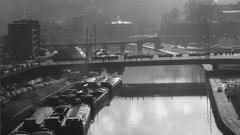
<point>158,114</point>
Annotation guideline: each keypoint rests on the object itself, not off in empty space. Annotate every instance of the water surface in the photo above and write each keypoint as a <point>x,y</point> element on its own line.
<point>156,116</point>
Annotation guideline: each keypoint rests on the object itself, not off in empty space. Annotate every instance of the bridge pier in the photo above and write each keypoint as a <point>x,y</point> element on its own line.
<point>105,47</point>
<point>215,67</point>
<point>139,48</point>
<point>157,42</point>
<point>122,49</point>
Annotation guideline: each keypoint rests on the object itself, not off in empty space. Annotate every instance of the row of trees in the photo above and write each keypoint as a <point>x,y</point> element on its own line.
<point>193,12</point>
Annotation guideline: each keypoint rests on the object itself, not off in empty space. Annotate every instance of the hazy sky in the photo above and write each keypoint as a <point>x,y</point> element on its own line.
<point>55,10</point>
<point>127,9</point>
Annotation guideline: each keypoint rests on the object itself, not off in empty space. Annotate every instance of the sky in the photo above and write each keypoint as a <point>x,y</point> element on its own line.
<point>128,9</point>
<point>55,10</point>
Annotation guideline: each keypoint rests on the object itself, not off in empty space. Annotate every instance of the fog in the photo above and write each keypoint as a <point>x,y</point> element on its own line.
<point>64,10</point>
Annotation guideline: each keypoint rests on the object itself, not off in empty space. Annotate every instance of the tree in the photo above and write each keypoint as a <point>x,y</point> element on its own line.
<point>198,11</point>
<point>171,17</point>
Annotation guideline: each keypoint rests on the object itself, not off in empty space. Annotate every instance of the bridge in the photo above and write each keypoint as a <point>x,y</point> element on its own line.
<point>121,44</point>
<point>151,61</point>
<point>148,60</point>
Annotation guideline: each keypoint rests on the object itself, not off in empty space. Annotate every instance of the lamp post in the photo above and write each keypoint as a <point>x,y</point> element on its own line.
<point>87,41</point>
<point>206,37</point>
<point>95,39</point>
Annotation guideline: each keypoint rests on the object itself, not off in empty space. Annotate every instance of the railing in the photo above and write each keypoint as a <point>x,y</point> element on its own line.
<point>122,59</point>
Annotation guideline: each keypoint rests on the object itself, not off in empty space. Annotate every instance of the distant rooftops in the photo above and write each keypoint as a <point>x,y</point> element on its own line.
<point>120,22</point>
<point>231,11</point>
<point>26,22</point>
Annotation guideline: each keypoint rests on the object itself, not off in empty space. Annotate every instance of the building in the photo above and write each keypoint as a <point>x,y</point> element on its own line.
<point>3,42</point>
<point>121,30</point>
<point>225,2</point>
<point>24,38</point>
<point>229,16</point>
<point>106,29</point>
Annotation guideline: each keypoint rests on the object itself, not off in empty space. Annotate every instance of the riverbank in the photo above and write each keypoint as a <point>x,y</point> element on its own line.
<point>23,105</point>
<point>227,118</point>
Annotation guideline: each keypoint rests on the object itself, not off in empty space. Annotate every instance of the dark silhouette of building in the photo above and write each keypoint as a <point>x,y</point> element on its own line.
<point>3,42</point>
<point>24,38</point>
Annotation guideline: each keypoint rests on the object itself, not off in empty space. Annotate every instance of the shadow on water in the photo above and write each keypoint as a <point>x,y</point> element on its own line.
<point>169,89</point>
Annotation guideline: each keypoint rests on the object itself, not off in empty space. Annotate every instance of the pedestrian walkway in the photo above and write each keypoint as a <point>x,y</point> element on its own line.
<point>225,108</point>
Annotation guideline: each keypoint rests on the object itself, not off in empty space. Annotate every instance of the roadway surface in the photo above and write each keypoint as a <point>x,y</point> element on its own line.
<point>121,61</point>
<point>226,111</point>
<point>227,59</point>
<point>22,106</point>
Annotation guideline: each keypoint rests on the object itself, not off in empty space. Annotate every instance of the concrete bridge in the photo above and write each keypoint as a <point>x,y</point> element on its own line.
<point>148,60</point>
<point>152,61</point>
<point>121,44</point>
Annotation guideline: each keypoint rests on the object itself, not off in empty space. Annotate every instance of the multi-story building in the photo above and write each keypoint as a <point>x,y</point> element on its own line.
<point>226,16</point>
<point>3,42</point>
<point>24,38</point>
<point>106,29</point>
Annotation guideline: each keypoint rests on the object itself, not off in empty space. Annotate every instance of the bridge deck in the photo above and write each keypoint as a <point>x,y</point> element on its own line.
<point>185,60</point>
<point>156,61</point>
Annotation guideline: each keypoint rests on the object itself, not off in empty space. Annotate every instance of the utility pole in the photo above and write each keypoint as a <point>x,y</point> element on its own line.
<point>206,37</point>
<point>87,41</point>
<point>95,39</point>
<point>90,44</point>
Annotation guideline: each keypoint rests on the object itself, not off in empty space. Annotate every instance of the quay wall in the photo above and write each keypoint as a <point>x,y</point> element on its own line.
<point>215,109</point>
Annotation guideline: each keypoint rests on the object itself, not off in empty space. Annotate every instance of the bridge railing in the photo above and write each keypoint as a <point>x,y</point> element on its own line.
<point>56,61</point>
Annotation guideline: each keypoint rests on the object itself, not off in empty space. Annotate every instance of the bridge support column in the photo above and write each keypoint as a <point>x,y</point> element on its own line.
<point>215,67</point>
<point>158,42</point>
<point>105,47</point>
<point>122,49</point>
<point>139,48</point>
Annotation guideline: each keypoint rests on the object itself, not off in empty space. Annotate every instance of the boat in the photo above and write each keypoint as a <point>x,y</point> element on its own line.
<point>112,82</point>
<point>85,84</point>
<point>66,97</point>
<point>35,122</point>
<point>40,132</point>
<point>77,120</point>
<point>54,121</point>
<point>94,97</point>
<point>43,132</point>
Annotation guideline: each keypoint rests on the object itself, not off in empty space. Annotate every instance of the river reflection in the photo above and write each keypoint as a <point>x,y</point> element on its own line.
<point>164,74</point>
<point>156,116</point>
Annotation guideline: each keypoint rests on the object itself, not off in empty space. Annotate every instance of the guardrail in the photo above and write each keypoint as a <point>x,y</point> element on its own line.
<point>126,58</point>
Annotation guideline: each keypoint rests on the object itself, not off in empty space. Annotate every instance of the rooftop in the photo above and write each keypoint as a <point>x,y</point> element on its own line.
<point>230,11</point>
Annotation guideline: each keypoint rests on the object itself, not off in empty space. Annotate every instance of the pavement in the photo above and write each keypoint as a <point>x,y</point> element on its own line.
<point>23,105</point>
<point>225,108</point>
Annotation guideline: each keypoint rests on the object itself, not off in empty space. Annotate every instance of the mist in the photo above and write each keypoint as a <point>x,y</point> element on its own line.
<point>62,10</point>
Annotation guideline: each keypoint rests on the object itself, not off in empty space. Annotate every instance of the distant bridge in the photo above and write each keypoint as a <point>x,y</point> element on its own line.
<point>122,44</point>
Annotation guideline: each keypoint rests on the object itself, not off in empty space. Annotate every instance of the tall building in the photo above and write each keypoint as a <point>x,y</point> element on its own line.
<point>3,41</point>
<point>24,38</point>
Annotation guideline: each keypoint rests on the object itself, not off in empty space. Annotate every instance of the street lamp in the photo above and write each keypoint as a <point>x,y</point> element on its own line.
<point>95,38</point>
<point>86,41</point>
<point>206,37</point>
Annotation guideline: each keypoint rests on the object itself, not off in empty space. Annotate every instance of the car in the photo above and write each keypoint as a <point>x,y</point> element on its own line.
<point>24,90</point>
<point>29,88</point>
<point>219,89</point>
